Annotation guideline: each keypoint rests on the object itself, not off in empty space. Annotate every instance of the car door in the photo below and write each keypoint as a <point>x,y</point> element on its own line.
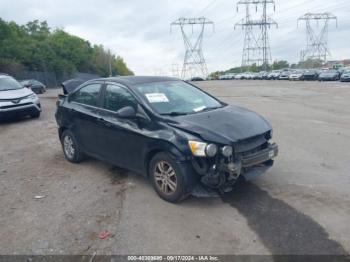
<point>84,113</point>
<point>122,139</point>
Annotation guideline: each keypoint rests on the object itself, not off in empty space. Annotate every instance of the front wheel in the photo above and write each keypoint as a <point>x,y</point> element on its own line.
<point>167,178</point>
<point>35,115</point>
<point>71,148</point>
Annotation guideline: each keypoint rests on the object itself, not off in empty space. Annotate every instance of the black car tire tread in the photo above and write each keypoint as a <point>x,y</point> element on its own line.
<point>78,154</point>
<point>35,115</point>
<point>181,192</point>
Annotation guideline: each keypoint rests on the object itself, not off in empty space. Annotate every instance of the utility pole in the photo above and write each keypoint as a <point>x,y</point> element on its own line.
<point>316,40</point>
<point>194,62</point>
<point>110,62</point>
<point>256,49</point>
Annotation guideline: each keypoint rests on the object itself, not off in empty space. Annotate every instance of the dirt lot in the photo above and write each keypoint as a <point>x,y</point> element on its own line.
<point>301,206</point>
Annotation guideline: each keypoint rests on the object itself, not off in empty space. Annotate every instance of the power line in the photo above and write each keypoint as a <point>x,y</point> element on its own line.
<point>202,12</point>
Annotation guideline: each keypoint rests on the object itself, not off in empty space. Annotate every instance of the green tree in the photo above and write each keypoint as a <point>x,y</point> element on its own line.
<point>310,63</point>
<point>277,65</point>
<point>36,47</point>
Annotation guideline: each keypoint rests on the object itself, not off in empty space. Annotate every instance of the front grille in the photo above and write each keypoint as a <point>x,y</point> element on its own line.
<point>12,99</point>
<point>15,105</point>
<point>250,145</point>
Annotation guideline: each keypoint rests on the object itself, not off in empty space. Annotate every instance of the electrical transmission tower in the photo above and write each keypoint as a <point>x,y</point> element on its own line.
<point>316,40</point>
<point>194,62</point>
<point>256,49</point>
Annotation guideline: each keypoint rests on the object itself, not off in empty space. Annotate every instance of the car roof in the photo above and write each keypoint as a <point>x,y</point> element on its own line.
<point>136,80</point>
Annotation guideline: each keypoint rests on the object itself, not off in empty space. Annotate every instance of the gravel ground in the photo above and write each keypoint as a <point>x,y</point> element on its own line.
<point>301,206</point>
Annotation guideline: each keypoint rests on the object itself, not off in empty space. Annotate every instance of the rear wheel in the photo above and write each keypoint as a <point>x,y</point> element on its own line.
<point>168,178</point>
<point>71,148</point>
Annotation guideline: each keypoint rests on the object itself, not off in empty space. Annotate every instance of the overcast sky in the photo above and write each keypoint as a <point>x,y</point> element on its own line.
<point>139,30</point>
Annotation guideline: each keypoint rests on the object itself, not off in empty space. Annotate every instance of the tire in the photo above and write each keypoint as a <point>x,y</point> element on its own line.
<point>175,187</point>
<point>71,148</point>
<point>35,115</point>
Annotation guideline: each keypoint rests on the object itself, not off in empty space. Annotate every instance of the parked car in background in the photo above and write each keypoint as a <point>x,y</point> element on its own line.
<point>330,75</point>
<point>274,75</point>
<point>345,77</point>
<point>36,86</point>
<point>310,75</point>
<point>263,75</point>
<point>250,75</point>
<point>256,76</point>
<point>230,76</point>
<point>224,77</point>
<point>197,78</point>
<point>239,76</point>
<point>296,75</point>
<point>284,75</point>
<point>16,100</point>
<point>181,138</point>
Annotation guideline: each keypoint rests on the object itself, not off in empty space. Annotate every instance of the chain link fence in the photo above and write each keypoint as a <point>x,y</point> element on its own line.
<point>50,79</point>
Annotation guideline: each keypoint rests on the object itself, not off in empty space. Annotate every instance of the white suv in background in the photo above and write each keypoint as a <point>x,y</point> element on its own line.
<point>16,100</point>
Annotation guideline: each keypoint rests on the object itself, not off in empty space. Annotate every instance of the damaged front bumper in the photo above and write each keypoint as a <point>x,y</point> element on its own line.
<point>222,173</point>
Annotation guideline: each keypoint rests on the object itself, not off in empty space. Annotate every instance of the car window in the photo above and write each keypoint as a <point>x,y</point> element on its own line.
<point>176,97</point>
<point>117,97</point>
<point>88,95</point>
<point>9,83</point>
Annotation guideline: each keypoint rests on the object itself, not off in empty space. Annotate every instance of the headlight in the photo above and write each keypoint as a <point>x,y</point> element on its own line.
<point>201,149</point>
<point>227,151</point>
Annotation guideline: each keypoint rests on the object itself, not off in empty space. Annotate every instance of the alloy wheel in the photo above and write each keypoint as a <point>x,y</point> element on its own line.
<point>68,145</point>
<point>165,178</point>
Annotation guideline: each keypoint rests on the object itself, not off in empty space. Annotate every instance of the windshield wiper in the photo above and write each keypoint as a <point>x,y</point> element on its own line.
<point>209,109</point>
<point>175,114</point>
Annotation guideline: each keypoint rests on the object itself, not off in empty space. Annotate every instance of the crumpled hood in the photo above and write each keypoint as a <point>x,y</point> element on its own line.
<point>17,93</point>
<point>225,125</point>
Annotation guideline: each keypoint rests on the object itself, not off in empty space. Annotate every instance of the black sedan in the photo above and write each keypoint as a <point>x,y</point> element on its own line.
<point>183,139</point>
<point>310,75</point>
<point>197,78</point>
<point>330,75</point>
<point>36,86</point>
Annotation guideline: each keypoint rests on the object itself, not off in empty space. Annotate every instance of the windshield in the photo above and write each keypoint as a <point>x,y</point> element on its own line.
<point>176,98</point>
<point>9,83</point>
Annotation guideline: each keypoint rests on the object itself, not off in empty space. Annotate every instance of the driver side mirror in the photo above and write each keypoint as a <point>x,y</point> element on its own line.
<point>127,112</point>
